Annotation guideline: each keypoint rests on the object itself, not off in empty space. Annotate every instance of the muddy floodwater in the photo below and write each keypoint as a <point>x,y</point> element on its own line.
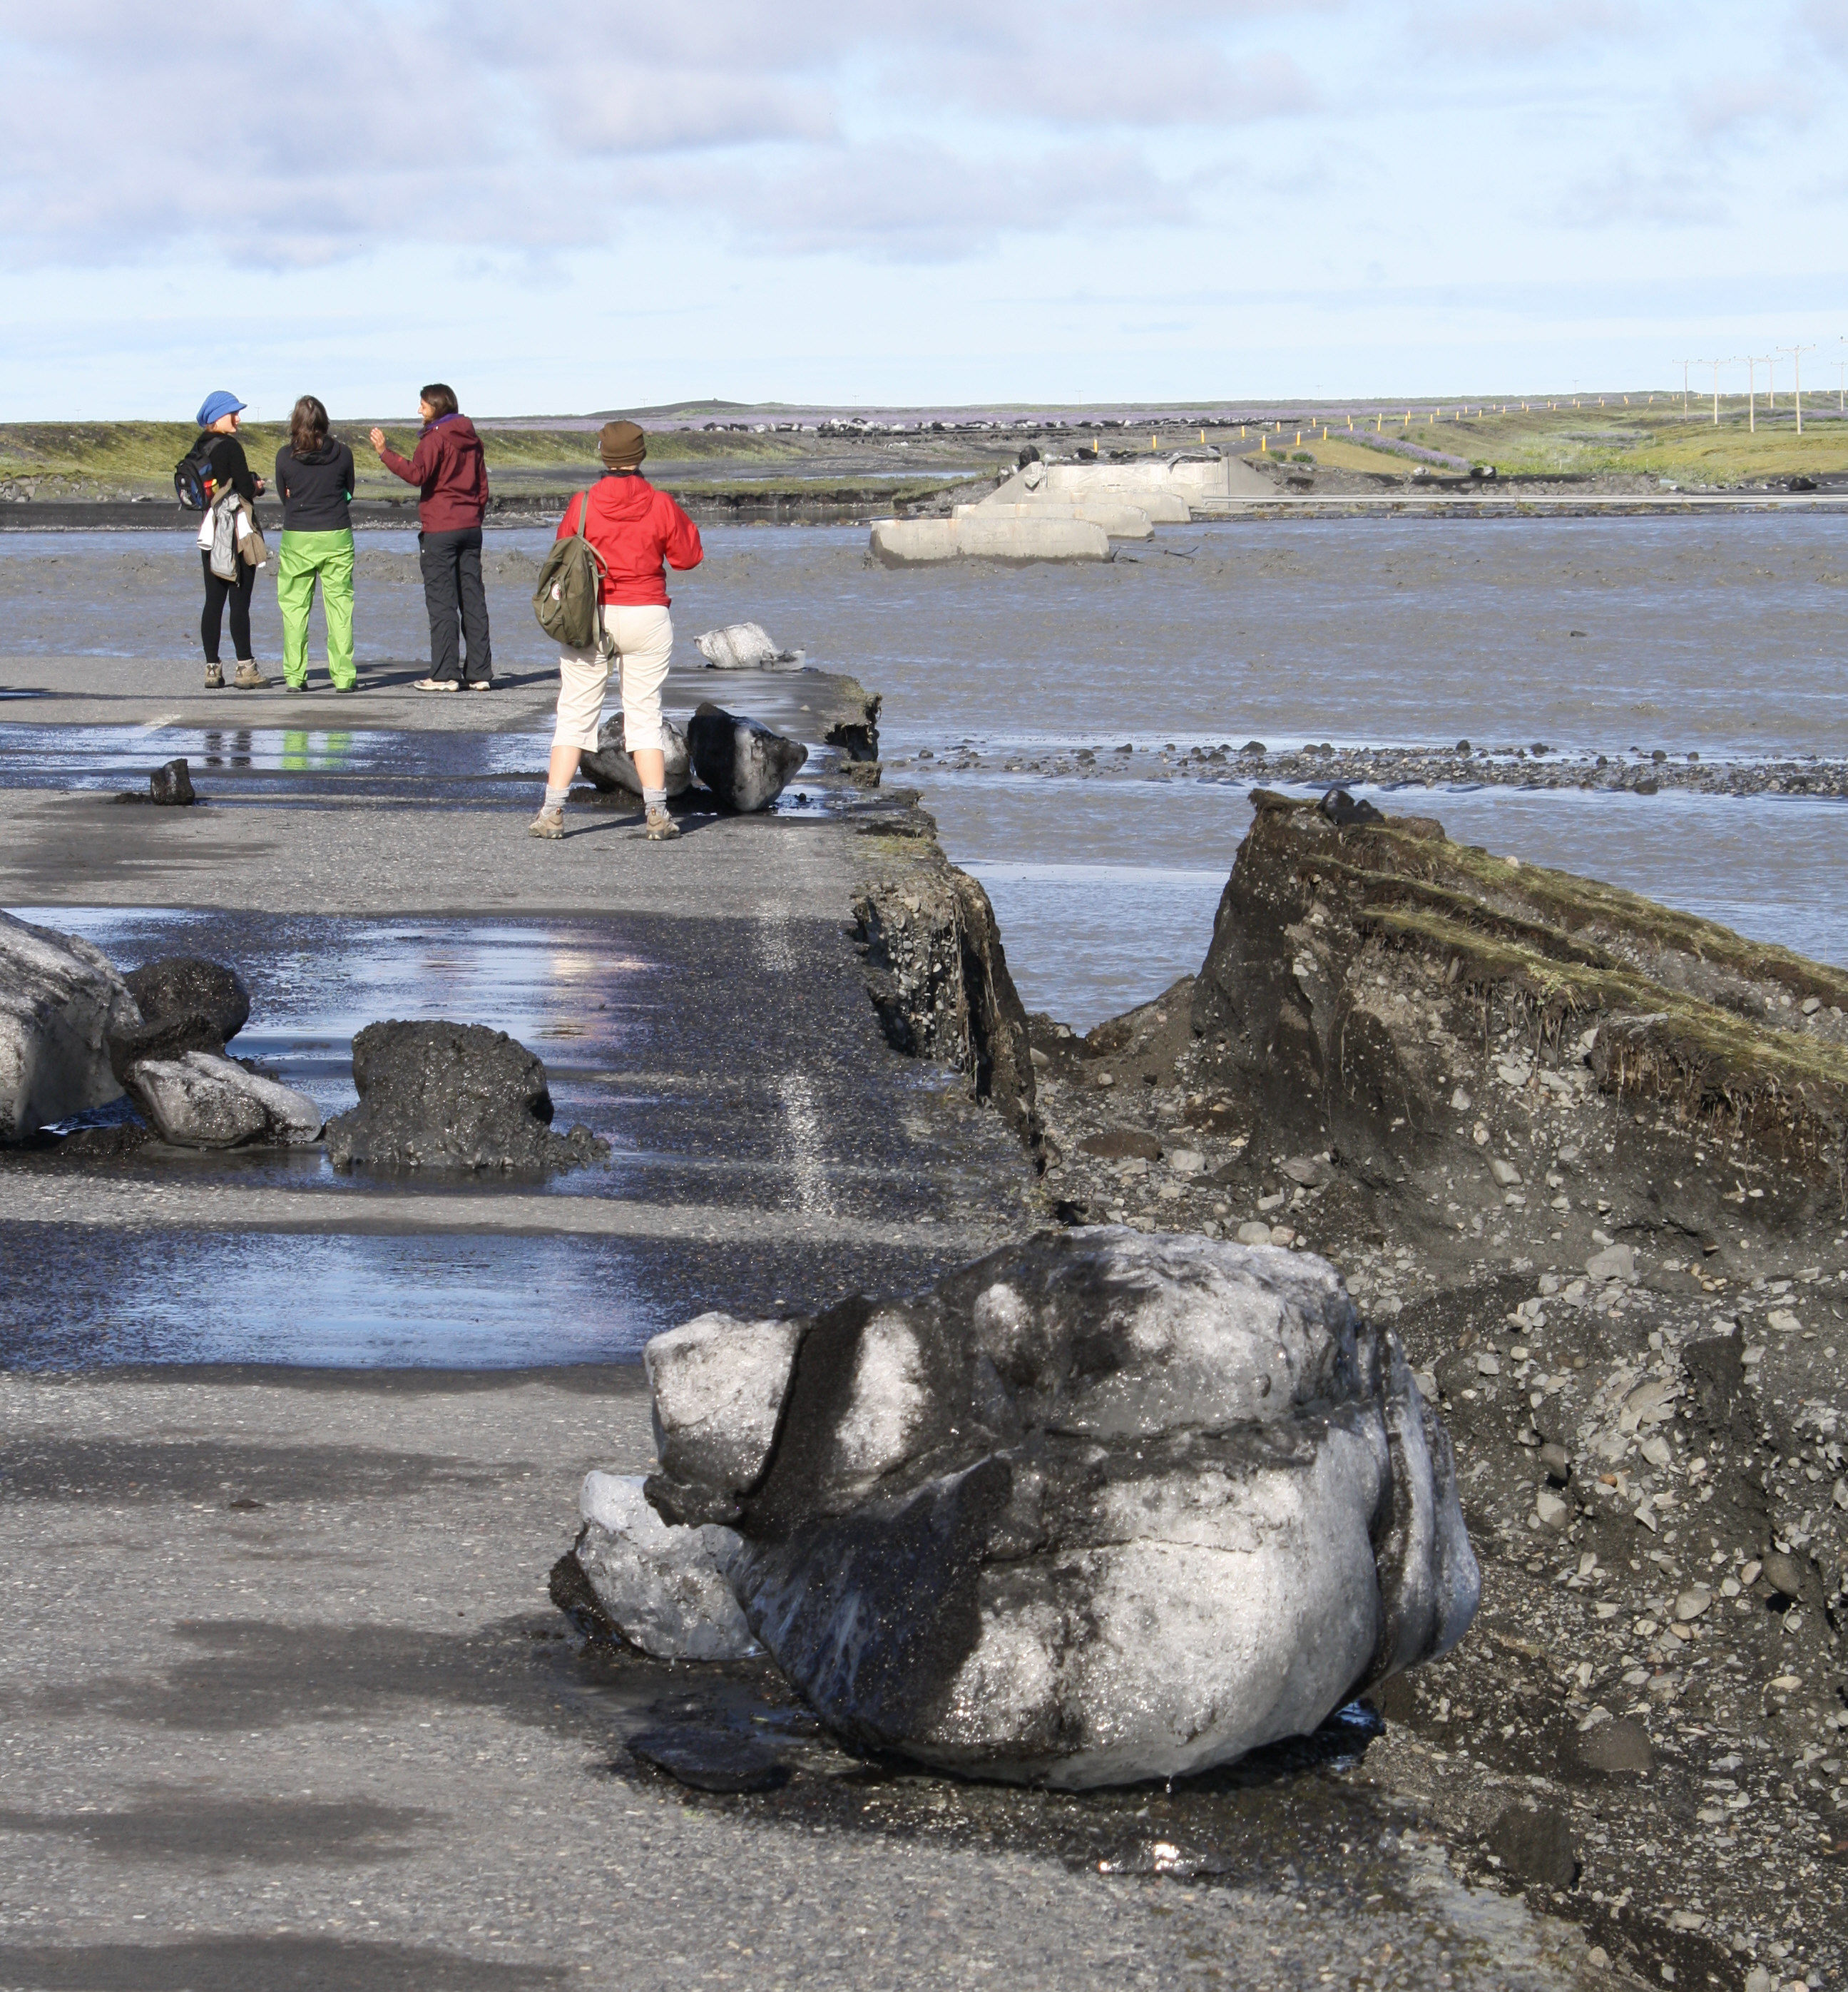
<point>1722,638</point>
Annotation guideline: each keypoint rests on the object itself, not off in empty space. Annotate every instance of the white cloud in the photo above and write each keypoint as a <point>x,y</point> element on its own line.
<point>728,186</point>
<point>1725,107</point>
<point>1495,29</point>
<point>303,132</point>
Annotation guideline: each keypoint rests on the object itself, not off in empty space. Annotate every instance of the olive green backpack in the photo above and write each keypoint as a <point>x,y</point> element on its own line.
<point>568,599</point>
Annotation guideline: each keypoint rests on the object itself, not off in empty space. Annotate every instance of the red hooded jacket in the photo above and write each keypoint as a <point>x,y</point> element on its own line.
<point>451,472</point>
<point>636,528</point>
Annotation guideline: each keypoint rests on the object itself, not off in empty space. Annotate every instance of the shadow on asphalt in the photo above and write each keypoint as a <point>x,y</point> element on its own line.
<point>249,1963</point>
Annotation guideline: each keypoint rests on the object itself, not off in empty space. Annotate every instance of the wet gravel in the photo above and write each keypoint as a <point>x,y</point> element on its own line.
<point>1652,1462</point>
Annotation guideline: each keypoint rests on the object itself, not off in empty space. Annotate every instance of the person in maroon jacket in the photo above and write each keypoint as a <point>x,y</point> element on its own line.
<point>636,528</point>
<point>451,473</point>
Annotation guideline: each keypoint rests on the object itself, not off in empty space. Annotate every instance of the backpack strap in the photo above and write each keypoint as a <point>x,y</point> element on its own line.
<point>597,560</point>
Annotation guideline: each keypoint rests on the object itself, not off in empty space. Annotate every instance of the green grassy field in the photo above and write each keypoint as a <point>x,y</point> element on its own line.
<point>1643,439</point>
<point>1640,440</point>
<point>136,459</point>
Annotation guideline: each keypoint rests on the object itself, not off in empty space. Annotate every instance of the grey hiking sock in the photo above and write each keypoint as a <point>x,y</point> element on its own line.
<point>654,798</point>
<point>554,798</point>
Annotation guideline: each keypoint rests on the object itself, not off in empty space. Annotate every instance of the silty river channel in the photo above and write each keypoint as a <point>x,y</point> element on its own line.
<point>1664,644</point>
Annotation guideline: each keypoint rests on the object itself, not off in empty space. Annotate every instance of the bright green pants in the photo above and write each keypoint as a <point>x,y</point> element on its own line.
<point>303,556</point>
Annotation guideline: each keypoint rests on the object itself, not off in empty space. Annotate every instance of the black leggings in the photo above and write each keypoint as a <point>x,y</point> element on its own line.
<point>217,592</point>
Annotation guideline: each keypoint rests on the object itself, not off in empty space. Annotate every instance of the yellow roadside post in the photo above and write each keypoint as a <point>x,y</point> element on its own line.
<point>1263,444</point>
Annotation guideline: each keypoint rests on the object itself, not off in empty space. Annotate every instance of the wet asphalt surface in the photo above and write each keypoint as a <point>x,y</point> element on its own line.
<point>289,1457</point>
<point>841,1192</point>
<point>287,1704</point>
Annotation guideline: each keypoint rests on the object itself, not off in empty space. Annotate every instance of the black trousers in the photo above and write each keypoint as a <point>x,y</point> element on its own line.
<point>211,618</point>
<point>454,596</point>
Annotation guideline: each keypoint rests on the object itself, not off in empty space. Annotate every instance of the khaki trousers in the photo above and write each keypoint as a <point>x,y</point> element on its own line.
<point>640,642</point>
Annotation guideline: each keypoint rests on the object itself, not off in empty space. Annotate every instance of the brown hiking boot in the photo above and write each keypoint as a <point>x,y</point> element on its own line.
<point>662,828</point>
<point>214,677</point>
<point>548,822</point>
<point>249,678</point>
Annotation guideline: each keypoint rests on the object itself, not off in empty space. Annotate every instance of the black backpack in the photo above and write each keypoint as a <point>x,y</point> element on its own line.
<point>194,480</point>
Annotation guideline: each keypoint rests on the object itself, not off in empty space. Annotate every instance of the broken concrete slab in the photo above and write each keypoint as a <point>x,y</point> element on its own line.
<point>922,542</point>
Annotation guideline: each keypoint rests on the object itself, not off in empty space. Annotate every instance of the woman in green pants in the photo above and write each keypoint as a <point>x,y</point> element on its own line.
<point>314,476</point>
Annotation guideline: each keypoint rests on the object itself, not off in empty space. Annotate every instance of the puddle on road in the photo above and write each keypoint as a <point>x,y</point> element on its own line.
<point>626,1011</point>
<point>300,765</point>
<point>483,1302</point>
<point>569,990</point>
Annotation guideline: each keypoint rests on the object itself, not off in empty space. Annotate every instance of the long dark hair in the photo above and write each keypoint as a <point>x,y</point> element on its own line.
<point>308,425</point>
<point>441,399</point>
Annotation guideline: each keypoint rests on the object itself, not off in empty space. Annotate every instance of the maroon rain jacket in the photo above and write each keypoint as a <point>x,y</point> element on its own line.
<point>451,473</point>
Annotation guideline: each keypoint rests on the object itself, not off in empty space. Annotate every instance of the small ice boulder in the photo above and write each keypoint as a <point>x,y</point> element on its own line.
<point>61,1001</point>
<point>744,763</point>
<point>612,767</point>
<point>663,1588</point>
<point>203,1100</point>
<point>742,646</point>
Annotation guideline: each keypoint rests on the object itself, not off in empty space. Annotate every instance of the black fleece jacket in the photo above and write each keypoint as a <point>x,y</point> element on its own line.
<point>315,489</point>
<point>229,465</point>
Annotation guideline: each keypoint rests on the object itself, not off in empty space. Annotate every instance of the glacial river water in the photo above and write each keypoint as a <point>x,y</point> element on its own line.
<point>1723,636</point>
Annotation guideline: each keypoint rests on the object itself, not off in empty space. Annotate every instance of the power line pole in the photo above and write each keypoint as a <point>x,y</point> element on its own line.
<point>1684,365</point>
<point>1716,364</point>
<point>1751,395</point>
<point>1796,361</point>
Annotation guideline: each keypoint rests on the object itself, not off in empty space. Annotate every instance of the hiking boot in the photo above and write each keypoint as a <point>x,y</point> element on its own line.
<point>435,684</point>
<point>662,828</point>
<point>354,687</point>
<point>214,677</point>
<point>249,678</point>
<point>548,822</point>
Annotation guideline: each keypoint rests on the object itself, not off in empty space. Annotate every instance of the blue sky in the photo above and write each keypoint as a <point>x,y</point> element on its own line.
<point>603,203</point>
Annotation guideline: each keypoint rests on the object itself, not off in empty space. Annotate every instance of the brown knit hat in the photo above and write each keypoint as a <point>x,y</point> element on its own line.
<point>621,445</point>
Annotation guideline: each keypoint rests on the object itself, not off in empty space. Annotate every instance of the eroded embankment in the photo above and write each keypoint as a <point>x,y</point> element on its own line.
<point>1587,1152</point>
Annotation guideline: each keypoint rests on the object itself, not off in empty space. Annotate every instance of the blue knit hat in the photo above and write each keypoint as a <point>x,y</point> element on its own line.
<point>218,404</point>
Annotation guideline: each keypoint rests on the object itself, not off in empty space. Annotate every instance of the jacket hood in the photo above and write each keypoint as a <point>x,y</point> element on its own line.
<point>455,425</point>
<point>623,495</point>
<point>327,453</point>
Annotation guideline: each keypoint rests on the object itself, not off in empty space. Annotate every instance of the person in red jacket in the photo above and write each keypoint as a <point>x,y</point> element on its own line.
<point>636,529</point>
<point>451,473</point>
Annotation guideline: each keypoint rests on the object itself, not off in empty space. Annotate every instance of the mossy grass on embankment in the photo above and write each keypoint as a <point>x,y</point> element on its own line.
<point>1725,1026</point>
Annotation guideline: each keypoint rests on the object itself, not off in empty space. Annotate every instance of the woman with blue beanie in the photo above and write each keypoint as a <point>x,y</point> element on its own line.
<point>230,472</point>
